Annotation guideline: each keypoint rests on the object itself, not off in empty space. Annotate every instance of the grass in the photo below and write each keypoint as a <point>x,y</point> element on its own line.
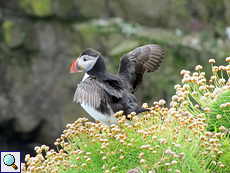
<point>186,137</point>
<point>220,113</point>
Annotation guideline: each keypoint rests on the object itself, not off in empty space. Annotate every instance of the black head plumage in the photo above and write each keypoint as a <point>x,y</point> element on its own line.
<point>90,52</point>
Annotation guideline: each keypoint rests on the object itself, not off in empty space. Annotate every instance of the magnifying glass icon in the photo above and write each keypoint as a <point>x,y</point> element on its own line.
<point>9,160</point>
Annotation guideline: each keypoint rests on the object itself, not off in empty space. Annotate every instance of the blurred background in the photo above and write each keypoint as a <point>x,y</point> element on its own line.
<point>40,39</point>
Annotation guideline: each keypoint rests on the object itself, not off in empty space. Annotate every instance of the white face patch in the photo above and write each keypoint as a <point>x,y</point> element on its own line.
<point>87,62</point>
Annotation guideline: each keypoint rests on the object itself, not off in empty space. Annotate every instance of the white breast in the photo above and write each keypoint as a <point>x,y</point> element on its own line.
<point>105,119</point>
<point>85,76</point>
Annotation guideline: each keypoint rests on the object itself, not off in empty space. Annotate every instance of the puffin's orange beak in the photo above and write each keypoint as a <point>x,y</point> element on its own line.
<point>75,68</point>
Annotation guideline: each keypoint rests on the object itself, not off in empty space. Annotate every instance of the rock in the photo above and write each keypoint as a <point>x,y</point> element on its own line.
<point>61,38</point>
<point>150,13</point>
<point>66,9</point>
<point>78,9</point>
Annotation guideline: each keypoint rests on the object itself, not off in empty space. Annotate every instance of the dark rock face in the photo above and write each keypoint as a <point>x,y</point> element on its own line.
<point>40,39</point>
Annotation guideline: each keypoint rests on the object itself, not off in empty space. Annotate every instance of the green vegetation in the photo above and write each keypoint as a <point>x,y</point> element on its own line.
<point>7,27</point>
<point>212,100</point>
<point>175,139</point>
<point>220,115</point>
<point>41,8</point>
<point>12,33</point>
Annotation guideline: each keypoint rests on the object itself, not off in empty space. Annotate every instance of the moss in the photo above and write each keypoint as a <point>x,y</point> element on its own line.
<point>39,8</point>
<point>13,34</point>
<point>42,7</point>
<point>7,25</point>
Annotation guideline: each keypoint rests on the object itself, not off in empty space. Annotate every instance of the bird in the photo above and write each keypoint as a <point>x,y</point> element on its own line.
<point>102,94</point>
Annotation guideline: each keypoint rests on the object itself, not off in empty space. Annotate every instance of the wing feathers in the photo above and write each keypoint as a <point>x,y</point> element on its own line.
<point>92,92</point>
<point>142,59</point>
<point>88,93</point>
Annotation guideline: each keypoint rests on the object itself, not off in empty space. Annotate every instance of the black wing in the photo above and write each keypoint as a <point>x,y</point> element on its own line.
<point>143,59</point>
<point>92,92</point>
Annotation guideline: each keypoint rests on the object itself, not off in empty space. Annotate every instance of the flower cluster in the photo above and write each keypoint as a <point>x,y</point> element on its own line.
<point>206,97</point>
<point>172,139</point>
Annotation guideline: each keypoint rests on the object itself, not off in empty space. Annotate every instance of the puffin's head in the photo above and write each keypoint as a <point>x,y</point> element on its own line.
<point>86,61</point>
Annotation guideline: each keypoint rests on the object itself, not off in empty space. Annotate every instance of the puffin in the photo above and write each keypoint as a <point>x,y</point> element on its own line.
<point>101,93</point>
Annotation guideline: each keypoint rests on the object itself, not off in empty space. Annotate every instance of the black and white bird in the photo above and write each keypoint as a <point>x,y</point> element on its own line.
<point>102,94</point>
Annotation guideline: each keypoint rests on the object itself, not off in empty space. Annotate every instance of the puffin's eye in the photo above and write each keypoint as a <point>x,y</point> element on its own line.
<point>84,59</point>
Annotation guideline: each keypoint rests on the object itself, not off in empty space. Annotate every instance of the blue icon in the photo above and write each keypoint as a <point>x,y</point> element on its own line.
<point>9,160</point>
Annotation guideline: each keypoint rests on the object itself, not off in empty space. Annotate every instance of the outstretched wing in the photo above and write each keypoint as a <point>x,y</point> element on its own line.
<point>93,93</point>
<point>143,59</point>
